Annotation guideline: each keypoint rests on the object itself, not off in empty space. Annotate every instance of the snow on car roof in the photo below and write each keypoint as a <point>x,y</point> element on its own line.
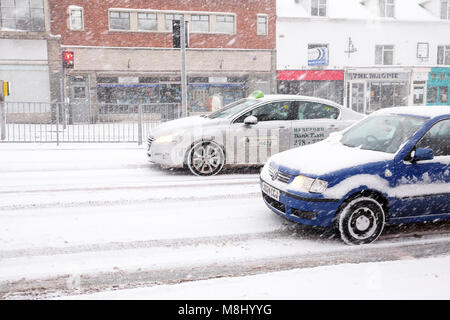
<point>270,97</point>
<point>428,111</point>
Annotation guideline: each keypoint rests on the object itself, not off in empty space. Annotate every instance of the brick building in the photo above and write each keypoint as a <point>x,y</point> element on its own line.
<point>124,51</point>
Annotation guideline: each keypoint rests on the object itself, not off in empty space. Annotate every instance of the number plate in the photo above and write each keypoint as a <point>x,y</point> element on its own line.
<point>271,191</point>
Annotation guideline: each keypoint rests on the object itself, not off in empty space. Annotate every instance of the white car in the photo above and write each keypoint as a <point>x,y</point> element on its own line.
<point>246,132</point>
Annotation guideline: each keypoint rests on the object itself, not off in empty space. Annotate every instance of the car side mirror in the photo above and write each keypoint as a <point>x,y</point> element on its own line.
<point>251,120</point>
<point>422,154</point>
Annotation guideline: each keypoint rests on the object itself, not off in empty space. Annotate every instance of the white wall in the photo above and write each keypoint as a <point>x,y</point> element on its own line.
<point>294,35</point>
<point>24,64</point>
<point>360,20</point>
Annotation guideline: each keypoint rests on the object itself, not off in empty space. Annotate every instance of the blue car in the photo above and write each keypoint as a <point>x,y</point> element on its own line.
<point>391,167</point>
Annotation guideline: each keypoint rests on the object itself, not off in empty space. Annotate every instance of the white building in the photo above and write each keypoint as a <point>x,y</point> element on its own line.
<point>366,54</point>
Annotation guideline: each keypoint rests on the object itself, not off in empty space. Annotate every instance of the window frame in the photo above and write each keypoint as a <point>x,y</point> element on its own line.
<point>168,27</point>
<point>445,14</point>
<point>319,5</point>
<point>225,16</point>
<point>383,51</point>
<point>138,26</point>
<point>33,22</point>
<point>71,26</point>
<point>266,23</point>
<point>200,15</point>
<point>384,6</point>
<point>119,12</point>
<point>441,58</point>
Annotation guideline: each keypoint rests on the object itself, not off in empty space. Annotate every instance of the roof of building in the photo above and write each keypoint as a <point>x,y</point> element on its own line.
<point>405,10</point>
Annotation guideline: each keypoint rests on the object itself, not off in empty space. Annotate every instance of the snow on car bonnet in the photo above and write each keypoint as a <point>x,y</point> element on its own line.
<point>327,156</point>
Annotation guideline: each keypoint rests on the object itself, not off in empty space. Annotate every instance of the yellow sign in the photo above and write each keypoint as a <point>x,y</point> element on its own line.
<point>5,88</point>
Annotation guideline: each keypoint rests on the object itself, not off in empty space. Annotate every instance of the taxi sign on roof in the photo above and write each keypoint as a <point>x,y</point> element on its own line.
<point>256,94</point>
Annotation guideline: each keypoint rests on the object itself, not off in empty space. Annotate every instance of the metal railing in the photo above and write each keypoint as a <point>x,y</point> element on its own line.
<point>78,123</point>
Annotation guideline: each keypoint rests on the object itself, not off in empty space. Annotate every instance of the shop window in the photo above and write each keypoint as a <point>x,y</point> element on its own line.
<point>147,21</point>
<point>443,94</point>
<point>76,18</point>
<point>384,54</point>
<point>26,15</point>
<point>262,25</point>
<point>443,56</point>
<point>445,10</point>
<point>387,8</point>
<point>108,80</point>
<point>419,93</point>
<point>319,8</point>
<point>199,23</point>
<point>225,24</point>
<point>432,95</point>
<point>119,20</point>
<point>169,18</point>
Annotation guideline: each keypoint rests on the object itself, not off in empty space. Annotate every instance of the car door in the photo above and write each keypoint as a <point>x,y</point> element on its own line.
<point>424,186</point>
<point>254,144</point>
<point>314,122</point>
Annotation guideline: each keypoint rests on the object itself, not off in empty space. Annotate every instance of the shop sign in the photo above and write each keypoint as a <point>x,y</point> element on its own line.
<point>217,79</point>
<point>420,76</point>
<point>379,76</point>
<point>128,79</point>
<point>318,56</point>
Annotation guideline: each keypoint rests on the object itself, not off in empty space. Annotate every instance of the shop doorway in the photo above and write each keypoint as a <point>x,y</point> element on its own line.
<point>357,100</point>
<point>79,111</point>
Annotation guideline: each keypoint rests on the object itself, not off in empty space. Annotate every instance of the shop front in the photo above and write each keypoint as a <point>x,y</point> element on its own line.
<point>326,84</point>
<point>438,86</point>
<point>371,90</point>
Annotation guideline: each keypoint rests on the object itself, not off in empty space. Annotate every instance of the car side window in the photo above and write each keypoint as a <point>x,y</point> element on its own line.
<point>437,138</point>
<point>314,110</point>
<point>274,111</point>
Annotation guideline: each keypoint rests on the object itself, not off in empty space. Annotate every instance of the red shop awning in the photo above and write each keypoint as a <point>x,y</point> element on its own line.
<point>310,75</point>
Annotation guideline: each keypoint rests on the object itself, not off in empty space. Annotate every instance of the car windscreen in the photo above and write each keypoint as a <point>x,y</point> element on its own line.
<point>233,108</point>
<point>385,133</point>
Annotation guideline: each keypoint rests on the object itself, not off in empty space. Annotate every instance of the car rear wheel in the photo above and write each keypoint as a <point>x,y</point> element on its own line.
<point>361,221</point>
<point>205,158</point>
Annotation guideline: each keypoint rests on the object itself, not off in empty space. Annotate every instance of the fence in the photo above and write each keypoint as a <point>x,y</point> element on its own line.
<point>65,123</point>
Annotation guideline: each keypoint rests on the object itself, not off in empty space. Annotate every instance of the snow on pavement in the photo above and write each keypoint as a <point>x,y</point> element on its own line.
<point>405,279</point>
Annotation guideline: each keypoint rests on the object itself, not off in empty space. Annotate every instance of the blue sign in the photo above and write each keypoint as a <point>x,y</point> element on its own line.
<point>318,56</point>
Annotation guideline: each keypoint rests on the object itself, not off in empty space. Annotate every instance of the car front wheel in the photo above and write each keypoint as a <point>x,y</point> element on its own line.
<point>205,158</point>
<point>361,221</point>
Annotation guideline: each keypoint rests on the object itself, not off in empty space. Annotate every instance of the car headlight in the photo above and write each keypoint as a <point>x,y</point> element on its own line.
<point>306,184</point>
<point>168,139</point>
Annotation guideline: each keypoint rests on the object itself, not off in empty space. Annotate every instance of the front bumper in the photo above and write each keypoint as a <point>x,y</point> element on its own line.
<point>306,210</point>
<point>165,154</point>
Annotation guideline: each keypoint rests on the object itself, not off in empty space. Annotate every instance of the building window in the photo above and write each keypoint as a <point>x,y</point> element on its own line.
<point>27,15</point>
<point>319,8</point>
<point>387,8</point>
<point>384,54</point>
<point>443,55</point>
<point>432,95</point>
<point>445,9</point>
<point>147,21</point>
<point>76,18</point>
<point>169,18</point>
<point>262,29</point>
<point>199,23</point>
<point>119,20</point>
<point>225,24</point>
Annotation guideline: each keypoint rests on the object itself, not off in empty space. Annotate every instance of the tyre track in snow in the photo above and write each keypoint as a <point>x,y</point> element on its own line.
<point>73,284</point>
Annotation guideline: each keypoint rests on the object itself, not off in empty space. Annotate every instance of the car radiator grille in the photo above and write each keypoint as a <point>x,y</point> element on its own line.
<point>150,141</point>
<point>275,174</point>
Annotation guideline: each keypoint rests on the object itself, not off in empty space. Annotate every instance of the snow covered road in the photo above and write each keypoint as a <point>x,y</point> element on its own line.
<point>77,219</point>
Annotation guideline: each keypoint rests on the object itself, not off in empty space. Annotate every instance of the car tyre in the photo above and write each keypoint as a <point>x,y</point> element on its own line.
<point>205,158</point>
<point>361,221</point>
